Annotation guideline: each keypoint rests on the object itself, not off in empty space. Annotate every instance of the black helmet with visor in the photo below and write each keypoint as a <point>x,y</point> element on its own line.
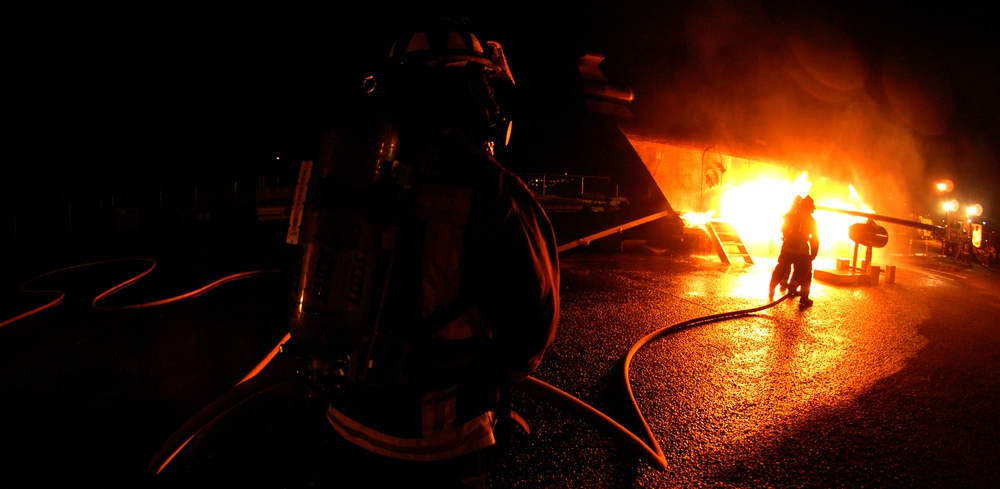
<point>439,72</point>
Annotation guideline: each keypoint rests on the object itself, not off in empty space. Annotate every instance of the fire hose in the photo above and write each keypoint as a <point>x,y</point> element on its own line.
<point>650,451</point>
<point>645,446</point>
<point>95,303</point>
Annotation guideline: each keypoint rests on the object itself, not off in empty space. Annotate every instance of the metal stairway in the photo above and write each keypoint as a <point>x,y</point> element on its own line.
<point>727,242</point>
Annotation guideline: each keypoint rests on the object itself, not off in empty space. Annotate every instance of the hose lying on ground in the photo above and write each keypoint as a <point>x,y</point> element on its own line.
<point>651,451</point>
<point>648,450</point>
<point>60,295</point>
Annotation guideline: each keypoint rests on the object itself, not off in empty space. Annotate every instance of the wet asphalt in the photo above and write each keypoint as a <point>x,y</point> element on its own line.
<point>888,385</point>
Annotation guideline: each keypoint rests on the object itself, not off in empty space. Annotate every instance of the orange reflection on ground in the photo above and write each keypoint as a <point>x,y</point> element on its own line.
<point>751,359</point>
<point>823,351</point>
<point>782,364</point>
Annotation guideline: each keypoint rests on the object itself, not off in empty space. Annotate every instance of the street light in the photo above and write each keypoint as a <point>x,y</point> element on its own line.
<point>943,187</point>
<point>949,207</point>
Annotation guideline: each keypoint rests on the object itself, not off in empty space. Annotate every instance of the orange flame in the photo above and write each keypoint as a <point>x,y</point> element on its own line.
<point>756,208</point>
<point>697,219</point>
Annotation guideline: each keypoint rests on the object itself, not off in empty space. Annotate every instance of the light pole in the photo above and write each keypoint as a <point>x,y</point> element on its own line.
<point>943,187</point>
<point>949,207</point>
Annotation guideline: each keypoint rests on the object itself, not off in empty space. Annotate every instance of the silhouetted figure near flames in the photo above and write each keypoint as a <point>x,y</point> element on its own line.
<point>799,248</point>
<point>803,244</point>
<point>779,277</point>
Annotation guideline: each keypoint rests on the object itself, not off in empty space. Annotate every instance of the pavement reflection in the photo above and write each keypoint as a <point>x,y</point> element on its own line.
<point>783,397</point>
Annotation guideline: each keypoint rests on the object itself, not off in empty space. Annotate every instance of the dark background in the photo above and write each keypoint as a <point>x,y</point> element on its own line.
<point>108,103</point>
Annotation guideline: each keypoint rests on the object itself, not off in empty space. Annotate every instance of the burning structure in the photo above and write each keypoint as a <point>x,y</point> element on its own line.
<point>750,193</point>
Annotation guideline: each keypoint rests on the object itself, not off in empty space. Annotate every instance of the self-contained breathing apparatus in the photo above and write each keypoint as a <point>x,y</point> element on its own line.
<point>345,244</point>
<point>356,195</point>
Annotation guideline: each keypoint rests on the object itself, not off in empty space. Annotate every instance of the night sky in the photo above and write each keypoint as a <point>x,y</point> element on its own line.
<point>129,97</point>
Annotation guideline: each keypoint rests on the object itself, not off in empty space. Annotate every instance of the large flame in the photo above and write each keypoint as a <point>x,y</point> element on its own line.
<point>756,208</point>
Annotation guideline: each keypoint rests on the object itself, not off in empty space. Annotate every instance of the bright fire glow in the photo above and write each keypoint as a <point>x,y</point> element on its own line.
<point>756,208</point>
<point>697,219</point>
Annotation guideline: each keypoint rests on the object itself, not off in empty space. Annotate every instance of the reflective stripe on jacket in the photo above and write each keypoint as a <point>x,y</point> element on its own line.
<point>441,439</point>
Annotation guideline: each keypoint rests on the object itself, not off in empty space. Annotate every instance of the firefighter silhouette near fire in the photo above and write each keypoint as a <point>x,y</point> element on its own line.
<point>780,275</point>
<point>799,248</point>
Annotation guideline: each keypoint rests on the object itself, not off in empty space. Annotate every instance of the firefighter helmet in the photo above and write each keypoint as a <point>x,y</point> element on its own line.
<point>448,43</point>
<point>439,70</point>
<point>808,204</point>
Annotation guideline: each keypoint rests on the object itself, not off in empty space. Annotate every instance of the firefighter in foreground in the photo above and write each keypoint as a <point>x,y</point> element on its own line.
<point>429,280</point>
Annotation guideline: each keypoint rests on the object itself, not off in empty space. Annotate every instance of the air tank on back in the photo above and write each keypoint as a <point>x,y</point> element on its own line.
<point>343,245</point>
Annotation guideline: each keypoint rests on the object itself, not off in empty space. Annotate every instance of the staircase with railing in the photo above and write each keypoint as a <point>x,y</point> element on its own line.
<point>727,242</point>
